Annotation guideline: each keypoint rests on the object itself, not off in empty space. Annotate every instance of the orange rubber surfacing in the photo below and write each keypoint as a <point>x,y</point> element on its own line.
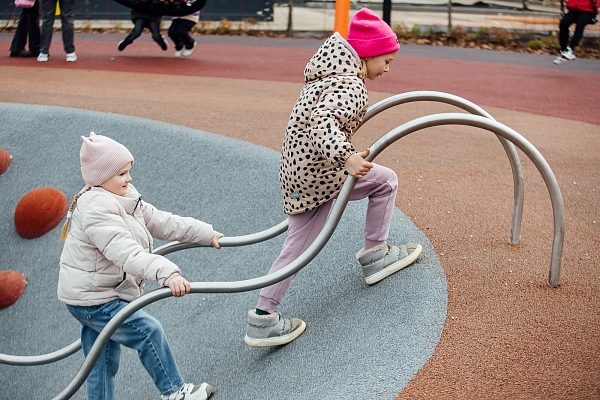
<point>39,211</point>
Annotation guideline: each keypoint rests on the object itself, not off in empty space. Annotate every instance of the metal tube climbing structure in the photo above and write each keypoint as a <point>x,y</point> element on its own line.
<point>482,120</point>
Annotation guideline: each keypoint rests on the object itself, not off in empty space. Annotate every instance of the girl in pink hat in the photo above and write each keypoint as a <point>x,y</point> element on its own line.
<point>316,158</point>
<point>106,259</point>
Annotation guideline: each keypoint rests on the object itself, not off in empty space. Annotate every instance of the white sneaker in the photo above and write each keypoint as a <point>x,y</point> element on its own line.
<point>42,57</point>
<point>178,53</point>
<point>568,54</point>
<point>190,391</point>
<point>187,52</point>
<point>71,57</point>
<point>560,60</point>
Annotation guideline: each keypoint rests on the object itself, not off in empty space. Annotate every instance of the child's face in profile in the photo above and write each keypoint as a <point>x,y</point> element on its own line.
<point>378,65</point>
<point>118,183</point>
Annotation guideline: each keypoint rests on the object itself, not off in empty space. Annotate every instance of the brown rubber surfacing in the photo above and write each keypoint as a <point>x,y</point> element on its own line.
<point>507,334</point>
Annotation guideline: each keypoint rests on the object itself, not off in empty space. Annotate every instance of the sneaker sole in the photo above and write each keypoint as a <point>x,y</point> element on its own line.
<point>276,341</point>
<point>209,390</point>
<point>395,267</point>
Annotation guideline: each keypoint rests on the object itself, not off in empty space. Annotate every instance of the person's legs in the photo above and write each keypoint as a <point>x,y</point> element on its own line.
<point>33,28</point>
<point>380,186</point>
<point>67,17</point>
<point>378,259</point>
<point>585,18</point>
<point>302,231</point>
<point>141,332</point>
<point>48,9</point>
<point>101,380</point>
<point>156,36</point>
<point>138,27</point>
<point>136,32</point>
<point>17,46</point>
<point>184,32</point>
<point>565,22</point>
<point>174,33</point>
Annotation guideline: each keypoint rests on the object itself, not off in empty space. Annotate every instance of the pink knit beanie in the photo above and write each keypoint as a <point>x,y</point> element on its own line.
<point>101,158</point>
<point>370,35</point>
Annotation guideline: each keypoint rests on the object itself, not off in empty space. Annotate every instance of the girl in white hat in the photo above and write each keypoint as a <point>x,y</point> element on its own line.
<point>106,259</point>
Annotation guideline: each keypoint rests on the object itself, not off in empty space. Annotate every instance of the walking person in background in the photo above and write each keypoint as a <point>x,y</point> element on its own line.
<point>581,13</point>
<point>67,18</point>
<point>317,157</point>
<point>140,21</point>
<point>106,259</point>
<point>179,32</point>
<point>27,27</point>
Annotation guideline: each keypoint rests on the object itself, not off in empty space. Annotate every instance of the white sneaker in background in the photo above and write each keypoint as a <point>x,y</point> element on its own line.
<point>71,57</point>
<point>560,60</point>
<point>178,53</point>
<point>568,54</point>
<point>187,52</point>
<point>42,57</point>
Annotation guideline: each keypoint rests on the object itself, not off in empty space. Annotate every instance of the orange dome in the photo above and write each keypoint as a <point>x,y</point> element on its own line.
<point>12,286</point>
<point>5,158</point>
<point>39,211</point>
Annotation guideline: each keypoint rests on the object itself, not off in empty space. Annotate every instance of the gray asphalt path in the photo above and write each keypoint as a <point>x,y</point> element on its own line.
<point>361,342</point>
<point>451,53</point>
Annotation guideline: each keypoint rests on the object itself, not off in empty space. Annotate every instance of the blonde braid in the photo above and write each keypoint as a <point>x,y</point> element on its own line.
<point>65,228</point>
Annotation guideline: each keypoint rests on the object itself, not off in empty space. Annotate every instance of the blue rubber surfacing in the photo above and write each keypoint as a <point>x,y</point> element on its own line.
<point>361,342</point>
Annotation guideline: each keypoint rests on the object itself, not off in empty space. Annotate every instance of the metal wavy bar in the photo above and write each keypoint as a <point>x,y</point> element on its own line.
<point>509,148</point>
<point>163,250</point>
<point>228,241</point>
<point>44,358</point>
<point>333,220</point>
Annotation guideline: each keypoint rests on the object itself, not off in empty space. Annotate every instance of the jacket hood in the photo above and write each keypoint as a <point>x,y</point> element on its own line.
<point>334,57</point>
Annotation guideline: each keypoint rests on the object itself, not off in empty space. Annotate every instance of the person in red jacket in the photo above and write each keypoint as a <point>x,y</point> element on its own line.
<point>581,13</point>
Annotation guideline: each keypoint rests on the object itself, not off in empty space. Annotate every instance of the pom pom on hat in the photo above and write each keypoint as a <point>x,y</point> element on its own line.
<point>101,158</point>
<point>370,35</point>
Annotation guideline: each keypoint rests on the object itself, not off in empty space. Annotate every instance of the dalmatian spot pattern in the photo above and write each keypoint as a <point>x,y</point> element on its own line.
<point>318,136</point>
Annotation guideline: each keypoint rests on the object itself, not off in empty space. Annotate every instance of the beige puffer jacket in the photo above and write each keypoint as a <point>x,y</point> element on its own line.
<point>107,254</point>
<point>317,138</point>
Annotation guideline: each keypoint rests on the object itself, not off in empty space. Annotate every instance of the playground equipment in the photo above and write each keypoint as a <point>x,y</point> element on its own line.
<point>477,118</point>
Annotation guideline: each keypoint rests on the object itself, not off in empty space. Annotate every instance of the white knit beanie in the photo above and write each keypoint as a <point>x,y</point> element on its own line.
<point>101,158</point>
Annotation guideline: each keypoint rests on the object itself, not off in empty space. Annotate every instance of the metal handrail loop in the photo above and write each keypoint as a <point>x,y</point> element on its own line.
<point>509,148</point>
<point>511,135</point>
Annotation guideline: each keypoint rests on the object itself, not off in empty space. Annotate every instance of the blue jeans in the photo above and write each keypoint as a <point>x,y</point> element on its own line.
<point>141,332</point>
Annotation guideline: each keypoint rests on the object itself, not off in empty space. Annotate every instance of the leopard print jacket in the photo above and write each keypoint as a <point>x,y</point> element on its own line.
<point>317,138</point>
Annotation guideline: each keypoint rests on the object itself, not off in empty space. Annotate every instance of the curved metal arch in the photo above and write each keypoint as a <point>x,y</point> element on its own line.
<point>331,224</point>
<point>511,135</point>
<point>509,148</point>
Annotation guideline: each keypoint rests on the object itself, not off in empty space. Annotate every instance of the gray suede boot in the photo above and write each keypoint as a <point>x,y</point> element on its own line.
<point>382,261</point>
<point>272,329</point>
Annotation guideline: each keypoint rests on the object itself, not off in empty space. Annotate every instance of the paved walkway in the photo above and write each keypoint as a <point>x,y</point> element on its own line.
<point>505,334</point>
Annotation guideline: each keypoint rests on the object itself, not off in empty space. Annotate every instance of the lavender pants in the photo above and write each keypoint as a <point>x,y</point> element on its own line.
<point>379,185</point>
